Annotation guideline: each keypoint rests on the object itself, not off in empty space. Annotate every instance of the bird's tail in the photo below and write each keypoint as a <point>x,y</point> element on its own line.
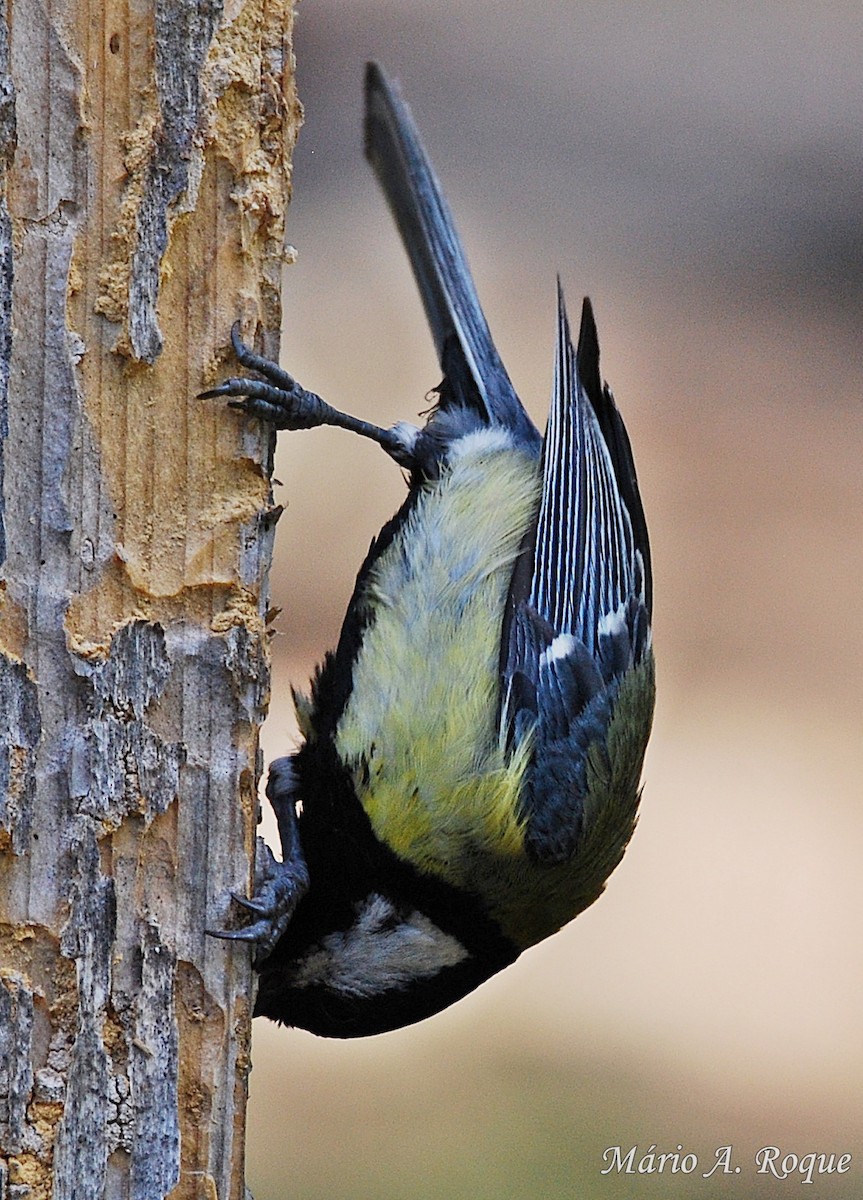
<point>461,335</point>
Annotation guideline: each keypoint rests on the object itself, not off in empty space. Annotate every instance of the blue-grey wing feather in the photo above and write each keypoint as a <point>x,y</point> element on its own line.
<point>475,374</point>
<point>579,613</point>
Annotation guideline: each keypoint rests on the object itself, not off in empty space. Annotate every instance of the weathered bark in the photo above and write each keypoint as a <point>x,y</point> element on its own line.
<point>145,167</point>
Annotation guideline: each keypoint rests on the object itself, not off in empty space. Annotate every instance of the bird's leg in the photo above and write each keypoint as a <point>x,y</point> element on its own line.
<point>285,404</point>
<point>279,886</point>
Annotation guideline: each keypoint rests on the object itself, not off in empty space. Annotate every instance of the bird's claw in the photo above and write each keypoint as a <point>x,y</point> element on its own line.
<point>251,903</point>
<point>279,887</point>
<point>249,933</point>
<point>277,398</point>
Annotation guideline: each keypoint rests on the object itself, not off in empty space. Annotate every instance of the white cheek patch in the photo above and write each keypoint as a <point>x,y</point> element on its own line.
<point>379,952</point>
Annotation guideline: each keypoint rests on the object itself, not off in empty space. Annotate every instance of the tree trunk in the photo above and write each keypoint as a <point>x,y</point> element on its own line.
<point>142,211</point>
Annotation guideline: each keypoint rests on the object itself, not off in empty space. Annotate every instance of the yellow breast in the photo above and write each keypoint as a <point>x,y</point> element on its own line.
<point>421,729</point>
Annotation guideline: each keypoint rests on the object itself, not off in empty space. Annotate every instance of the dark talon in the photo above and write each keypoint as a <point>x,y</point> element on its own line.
<point>279,887</point>
<point>252,904</point>
<point>256,935</point>
<point>288,406</point>
<point>230,935</point>
<point>237,342</point>
<point>224,389</point>
<point>253,361</point>
<point>259,936</point>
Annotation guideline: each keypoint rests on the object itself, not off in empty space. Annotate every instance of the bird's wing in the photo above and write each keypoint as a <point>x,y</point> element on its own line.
<point>578,617</point>
<point>475,375</point>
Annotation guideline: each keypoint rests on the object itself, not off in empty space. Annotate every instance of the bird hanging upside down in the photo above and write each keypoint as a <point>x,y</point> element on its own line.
<point>469,771</point>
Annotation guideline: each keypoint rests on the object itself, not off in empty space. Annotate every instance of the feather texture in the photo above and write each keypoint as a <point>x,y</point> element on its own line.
<point>585,565</point>
<point>474,373</point>
<point>578,617</point>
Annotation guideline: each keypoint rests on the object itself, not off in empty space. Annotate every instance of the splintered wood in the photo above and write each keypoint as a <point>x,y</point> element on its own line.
<point>145,172</point>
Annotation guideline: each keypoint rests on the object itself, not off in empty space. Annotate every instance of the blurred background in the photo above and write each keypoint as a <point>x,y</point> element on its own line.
<point>698,170</point>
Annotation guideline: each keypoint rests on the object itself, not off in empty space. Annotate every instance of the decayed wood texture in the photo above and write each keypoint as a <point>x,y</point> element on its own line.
<point>145,169</point>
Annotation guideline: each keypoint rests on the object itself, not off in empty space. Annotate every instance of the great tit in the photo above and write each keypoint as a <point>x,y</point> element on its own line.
<point>471,752</point>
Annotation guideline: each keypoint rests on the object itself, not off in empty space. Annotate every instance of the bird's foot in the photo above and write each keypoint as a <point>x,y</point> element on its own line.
<point>280,401</point>
<point>279,887</point>
<point>277,399</point>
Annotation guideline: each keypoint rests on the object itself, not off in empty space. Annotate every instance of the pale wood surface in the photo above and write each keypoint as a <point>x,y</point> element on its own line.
<point>145,157</point>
